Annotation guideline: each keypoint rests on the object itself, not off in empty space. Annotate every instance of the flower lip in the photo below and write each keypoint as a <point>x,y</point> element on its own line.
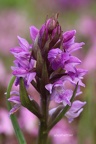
<point>75,110</point>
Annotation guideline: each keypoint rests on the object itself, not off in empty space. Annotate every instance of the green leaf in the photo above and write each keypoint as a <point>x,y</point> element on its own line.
<point>31,105</point>
<point>55,113</point>
<point>17,129</point>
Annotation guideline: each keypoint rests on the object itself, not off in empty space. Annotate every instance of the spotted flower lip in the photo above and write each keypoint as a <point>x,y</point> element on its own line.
<point>62,59</point>
<point>24,70</point>
<point>55,56</point>
<point>59,93</point>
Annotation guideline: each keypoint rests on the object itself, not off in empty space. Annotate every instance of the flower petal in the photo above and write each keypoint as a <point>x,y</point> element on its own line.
<point>33,32</point>
<point>68,35</point>
<point>15,99</point>
<point>14,109</point>
<point>23,43</point>
<point>30,77</point>
<point>75,47</point>
<point>77,105</point>
<point>71,116</point>
<point>75,110</point>
<point>49,87</point>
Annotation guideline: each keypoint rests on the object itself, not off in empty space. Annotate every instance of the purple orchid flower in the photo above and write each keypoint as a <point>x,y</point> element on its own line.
<point>23,67</point>
<point>59,93</point>
<point>48,64</point>
<point>15,98</point>
<point>63,58</point>
<point>75,110</point>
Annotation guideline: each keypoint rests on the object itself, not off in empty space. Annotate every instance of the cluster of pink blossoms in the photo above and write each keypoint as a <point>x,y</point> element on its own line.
<point>48,65</point>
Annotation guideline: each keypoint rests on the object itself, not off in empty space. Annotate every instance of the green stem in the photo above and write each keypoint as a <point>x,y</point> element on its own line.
<point>17,129</point>
<point>43,135</point>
